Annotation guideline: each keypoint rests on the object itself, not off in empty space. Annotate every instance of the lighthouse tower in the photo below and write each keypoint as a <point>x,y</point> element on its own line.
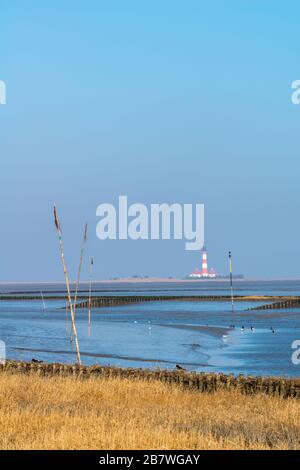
<point>204,263</point>
<point>204,272</point>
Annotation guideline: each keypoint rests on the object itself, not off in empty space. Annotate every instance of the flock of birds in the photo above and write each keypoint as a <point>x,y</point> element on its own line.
<point>252,328</point>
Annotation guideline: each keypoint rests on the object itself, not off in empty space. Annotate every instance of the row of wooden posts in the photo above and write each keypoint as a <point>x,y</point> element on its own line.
<point>283,304</point>
<point>203,382</point>
<point>106,301</point>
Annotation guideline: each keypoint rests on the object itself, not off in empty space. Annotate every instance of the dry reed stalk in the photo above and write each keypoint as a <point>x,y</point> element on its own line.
<point>67,310</point>
<point>231,284</point>
<point>79,272</point>
<point>62,256</point>
<point>43,301</point>
<point>90,294</point>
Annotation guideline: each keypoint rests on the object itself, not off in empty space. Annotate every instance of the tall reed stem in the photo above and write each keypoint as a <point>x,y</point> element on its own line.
<point>90,293</point>
<point>79,273</point>
<point>62,256</point>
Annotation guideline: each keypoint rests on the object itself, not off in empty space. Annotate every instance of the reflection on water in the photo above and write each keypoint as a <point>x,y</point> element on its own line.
<point>196,335</point>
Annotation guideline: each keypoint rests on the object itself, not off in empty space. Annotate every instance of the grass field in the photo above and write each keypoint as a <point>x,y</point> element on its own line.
<point>69,413</point>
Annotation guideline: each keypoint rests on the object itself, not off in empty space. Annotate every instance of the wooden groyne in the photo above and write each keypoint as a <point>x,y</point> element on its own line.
<point>203,382</point>
<point>292,302</point>
<point>273,302</point>
<point>14,297</point>
<point>105,301</point>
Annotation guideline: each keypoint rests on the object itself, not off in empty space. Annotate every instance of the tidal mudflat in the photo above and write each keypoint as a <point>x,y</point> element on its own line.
<point>196,335</point>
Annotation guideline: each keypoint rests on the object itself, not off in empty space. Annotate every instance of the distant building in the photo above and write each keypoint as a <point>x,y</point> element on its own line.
<point>204,273</point>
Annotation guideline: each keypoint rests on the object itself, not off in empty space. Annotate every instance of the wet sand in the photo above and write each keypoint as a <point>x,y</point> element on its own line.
<point>112,356</point>
<point>212,330</point>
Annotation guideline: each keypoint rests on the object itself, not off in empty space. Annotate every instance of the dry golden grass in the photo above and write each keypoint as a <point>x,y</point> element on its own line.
<point>69,413</point>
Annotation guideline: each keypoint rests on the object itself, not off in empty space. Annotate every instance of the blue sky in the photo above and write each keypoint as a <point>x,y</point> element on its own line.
<point>164,101</point>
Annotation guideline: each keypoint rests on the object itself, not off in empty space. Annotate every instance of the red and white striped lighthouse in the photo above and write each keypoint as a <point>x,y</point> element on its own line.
<point>204,272</point>
<point>204,263</point>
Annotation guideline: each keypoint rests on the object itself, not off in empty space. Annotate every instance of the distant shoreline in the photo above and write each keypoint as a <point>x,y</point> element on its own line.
<point>149,280</point>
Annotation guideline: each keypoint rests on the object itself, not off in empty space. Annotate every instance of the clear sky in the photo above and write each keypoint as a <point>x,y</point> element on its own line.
<point>161,100</point>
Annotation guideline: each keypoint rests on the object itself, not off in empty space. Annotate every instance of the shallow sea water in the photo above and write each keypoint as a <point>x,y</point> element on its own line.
<point>195,335</point>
